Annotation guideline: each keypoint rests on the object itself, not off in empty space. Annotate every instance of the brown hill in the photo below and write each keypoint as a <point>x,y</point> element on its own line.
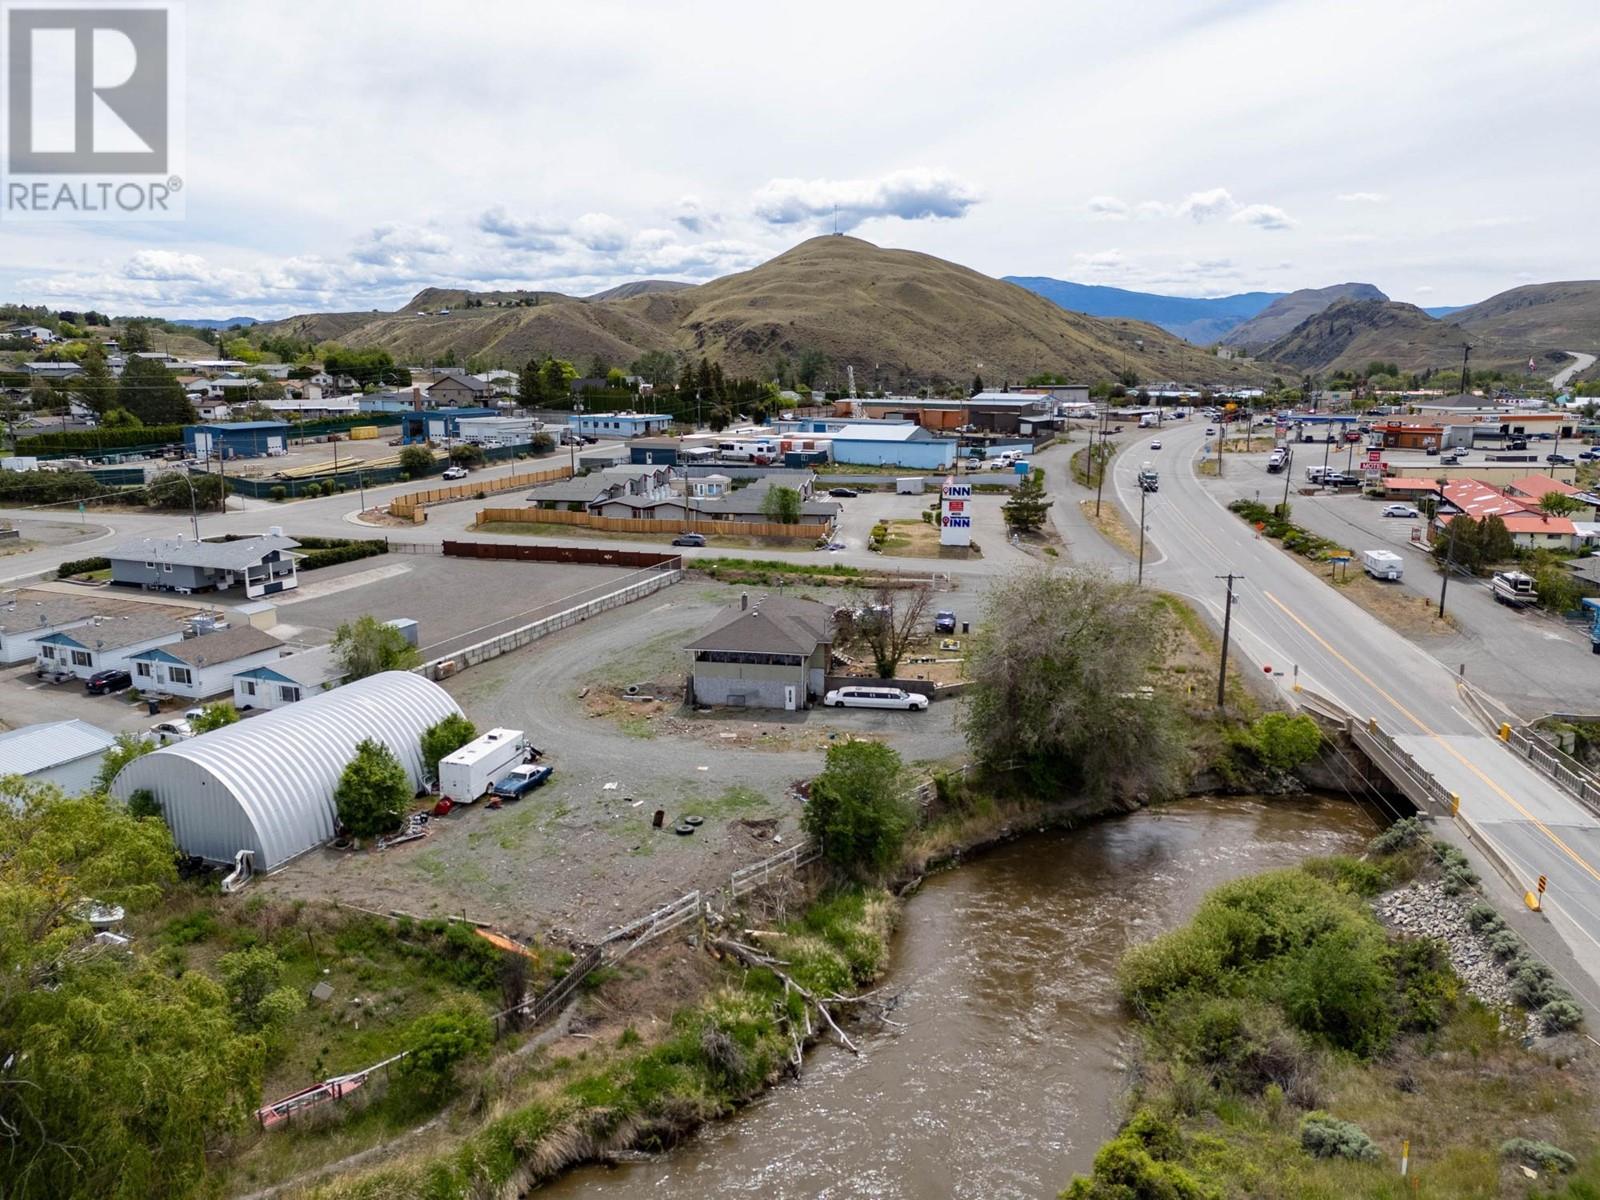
<point>902,319</point>
<point>1351,333</point>
<point>1545,316</point>
<point>1283,314</point>
<point>639,287</point>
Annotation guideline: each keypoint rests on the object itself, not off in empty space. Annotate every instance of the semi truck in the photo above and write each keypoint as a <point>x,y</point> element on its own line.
<point>467,773</point>
<point>1382,564</point>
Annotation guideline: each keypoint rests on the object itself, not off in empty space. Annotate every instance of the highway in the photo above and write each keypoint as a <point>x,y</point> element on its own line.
<point>1285,618</point>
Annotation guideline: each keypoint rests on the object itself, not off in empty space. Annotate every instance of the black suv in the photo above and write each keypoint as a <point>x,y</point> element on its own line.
<point>103,683</point>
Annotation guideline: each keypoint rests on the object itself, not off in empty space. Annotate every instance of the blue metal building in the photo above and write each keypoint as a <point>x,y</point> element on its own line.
<point>236,439</point>
<point>437,424</point>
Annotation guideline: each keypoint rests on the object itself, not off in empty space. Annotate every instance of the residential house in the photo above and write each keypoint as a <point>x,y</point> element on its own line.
<point>210,410</point>
<point>32,333</point>
<point>30,614</point>
<point>203,666</point>
<point>52,370</point>
<point>287,679</point>
<point>771,652</point>
<point>108,643</point>
<point>262,565</point>
<point>457,391</point>
<point>65,753</point>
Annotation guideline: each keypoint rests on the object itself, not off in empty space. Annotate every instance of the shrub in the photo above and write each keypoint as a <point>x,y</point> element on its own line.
<point>1323,1136</point>
<point>82,566</point>
<point>440,1040</point>
<point>143,803</point>
<point>1505,945</point>
<point>373,790</point>
<point>416,460</point>
<point>1282,742</point>
<point>311,491</point>
<point>1560,1015</point>
<point>1457,879</point>
<point>1532,985</point>
<point>328,552</point>
<point>1402,835</point>
<point>1138,1164</point>
<point>279,494</point>
<point>445,737</point>
<point>1542,1155</point>
<point>1484,920</point>
<point>856,809</point>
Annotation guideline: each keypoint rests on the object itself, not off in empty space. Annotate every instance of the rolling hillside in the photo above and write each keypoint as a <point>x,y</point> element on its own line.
<point>1201,321</point>
<point>1546,316</point>
<point>902,319</point>
<point>1352,333</point>
<point>1286,312</point>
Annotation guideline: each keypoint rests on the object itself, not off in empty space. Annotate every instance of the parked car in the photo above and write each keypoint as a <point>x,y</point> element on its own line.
<point>689,539</point>
<point>1517,443</point>
<point>54,674</point>
<point>843,493</point>
<point>1211,431</point>
<point>944,621</point>
<point>1588,455</point>
<point>167,732</point>
<point>455,473</point>
<point>1400,510</point>
<point>103,683</point>
<point>875,697</point>
<point>522,779</point>
<point>1558,458</point>
<point>1156,445</point>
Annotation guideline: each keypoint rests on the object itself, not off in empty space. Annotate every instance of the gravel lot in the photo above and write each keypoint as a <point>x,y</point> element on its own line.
<point>579,855</point>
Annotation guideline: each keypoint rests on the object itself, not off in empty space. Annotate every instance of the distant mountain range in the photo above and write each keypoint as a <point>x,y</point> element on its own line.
<point>210,323</point>
<point>1204,320</point>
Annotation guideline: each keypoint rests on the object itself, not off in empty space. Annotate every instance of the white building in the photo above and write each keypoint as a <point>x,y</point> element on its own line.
<point>203,666</point>
<point>287,679</point>
<point>65,753</point>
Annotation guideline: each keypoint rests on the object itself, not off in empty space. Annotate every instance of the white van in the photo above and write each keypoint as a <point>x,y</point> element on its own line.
<point>875,697</point>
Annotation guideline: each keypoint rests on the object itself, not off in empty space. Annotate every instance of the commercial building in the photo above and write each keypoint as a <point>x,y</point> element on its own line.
<point>618,424</point>
<point>65,753</point>
<point>438,425</point>
<point>266,785</point>
<point>236,439</point>
<point>262,565</point>
<point>771,652</point>
<point>203,666</point>
<point>893,445</point>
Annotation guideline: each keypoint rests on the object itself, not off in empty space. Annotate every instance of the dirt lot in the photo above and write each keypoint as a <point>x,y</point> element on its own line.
<point>580,854</point>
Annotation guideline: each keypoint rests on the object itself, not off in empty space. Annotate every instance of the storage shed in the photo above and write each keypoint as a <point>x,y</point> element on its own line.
<point>266,784</point>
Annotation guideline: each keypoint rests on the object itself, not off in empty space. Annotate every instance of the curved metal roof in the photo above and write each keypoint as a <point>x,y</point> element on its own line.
<point>266,783</point>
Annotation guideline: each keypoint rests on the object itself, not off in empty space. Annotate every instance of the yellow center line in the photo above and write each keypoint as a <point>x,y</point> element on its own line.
<point>1500,791</point>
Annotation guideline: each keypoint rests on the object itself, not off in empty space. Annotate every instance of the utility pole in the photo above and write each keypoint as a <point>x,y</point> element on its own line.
<point>1466,349</point>
<point>1100,475</point>
<point>1288,475</point>
<point>1227,627</point>
<point>1449,549</point>
<point>222,478</point>
<point>1142,494</point>
<point>1222,439</point>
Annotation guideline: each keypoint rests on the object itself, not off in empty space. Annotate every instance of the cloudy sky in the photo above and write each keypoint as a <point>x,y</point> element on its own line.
<point>343,155</point>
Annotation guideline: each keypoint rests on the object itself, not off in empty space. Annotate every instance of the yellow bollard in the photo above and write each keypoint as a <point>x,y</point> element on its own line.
<point>1531,899</point>
<point>1455,804</point>
<point>1505,731</point>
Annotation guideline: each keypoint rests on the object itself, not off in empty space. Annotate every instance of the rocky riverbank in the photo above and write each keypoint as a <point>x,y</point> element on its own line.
<point>1424,909</point>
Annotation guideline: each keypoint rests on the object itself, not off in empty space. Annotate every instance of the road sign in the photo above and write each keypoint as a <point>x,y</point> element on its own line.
<point>1543,880</point>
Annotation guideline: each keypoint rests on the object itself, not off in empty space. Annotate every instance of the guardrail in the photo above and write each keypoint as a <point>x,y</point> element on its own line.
<point>1565,772</point>
<point>748,879</point>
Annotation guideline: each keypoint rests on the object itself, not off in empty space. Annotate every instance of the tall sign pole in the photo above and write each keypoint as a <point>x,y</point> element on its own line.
<point>1227,628</point>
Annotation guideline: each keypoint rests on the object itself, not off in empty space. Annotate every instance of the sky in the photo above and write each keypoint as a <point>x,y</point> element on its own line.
<point>343,156</point>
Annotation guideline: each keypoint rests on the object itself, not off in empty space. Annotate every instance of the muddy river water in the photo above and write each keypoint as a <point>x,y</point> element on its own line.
<point>1008,1073</point>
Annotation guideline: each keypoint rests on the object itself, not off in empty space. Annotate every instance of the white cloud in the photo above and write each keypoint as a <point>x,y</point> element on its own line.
<point>1209,205</point>
<point>1263,216</point>
<point>1425,289</point>
<point>1363,197</point>
<point>1107,208</point>
<point>536,233</point>
<point>695,217</point>
<point>911,195</point>
<point>597,231</point>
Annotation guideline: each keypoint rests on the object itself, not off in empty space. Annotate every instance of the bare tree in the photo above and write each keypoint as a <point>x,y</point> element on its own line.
<point>888,627</point>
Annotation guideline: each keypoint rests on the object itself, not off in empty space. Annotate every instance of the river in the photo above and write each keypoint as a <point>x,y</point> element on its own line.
<point>1008,1074</point>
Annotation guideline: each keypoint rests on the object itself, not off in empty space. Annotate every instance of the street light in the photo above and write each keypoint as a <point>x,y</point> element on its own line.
<point>1143,493</point>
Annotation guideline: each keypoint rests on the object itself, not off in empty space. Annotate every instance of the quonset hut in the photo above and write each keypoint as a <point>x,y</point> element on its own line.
<point>266,783</point>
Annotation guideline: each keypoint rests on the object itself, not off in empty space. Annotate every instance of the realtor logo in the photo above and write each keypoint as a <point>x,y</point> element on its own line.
<point>93,110</point>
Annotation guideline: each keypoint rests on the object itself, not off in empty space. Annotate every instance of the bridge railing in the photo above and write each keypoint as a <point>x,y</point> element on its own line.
<point>1566,773</point>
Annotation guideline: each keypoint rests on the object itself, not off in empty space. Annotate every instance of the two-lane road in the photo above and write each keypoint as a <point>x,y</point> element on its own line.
<point>1286,618</point>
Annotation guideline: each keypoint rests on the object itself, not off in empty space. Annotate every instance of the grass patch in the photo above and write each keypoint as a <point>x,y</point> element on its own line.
<point>1112,526</point>
<point>917,539</point>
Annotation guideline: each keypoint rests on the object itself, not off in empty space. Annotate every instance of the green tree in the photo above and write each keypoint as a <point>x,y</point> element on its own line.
<point>977,385</point>
<point>153,394</point>
<point>445,737</point>
<point>171,490</point>
<point>373,790</point>
<point>119,418</point>
<point>1460,543</point>
<point>439,1042</point>
<point>94,385</point>
<point>416,461</point>
<point>214,716</point>
<point>530,385</point>
<point>781,505</point>
<point>1027,508</point>
<point>467,455</point>
<point>253,978</point>
<point>858,809</point>
<point>367,646</point>
<point>557,376</point>
<point>809,367</point>
<point>126,748</point>
<point>1557,504</point>
<point>1059,670</point>
<point>135,337</point>
<point>1284,742</point>
<point>658,368</point>
<point>1558,590</point>
<point>1494,542</point>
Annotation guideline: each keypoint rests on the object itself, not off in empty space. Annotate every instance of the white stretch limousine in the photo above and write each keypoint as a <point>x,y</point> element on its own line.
<point>875,697</point>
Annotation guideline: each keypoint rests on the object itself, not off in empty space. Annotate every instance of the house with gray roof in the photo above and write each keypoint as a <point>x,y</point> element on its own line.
<point>770,652</point>
<point>287,679</point>
<point>108,642</point>
<point>203,666</point>
<point>65,753</point>
<point>262,565</point>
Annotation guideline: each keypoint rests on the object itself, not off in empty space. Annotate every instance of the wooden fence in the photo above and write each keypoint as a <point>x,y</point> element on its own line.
<point>559,516</point>
<point>411,506</point>
<point>593,556</point>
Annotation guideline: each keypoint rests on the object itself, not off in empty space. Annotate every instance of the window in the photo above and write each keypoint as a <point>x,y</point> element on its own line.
<point>248,686</point>
<point>150,566</point>
<point>82,658</point>
<point>167,567</point>
<point>48,652</point>
<point>179,675</point>
<point>142,669</point>
<point>288,694</point>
